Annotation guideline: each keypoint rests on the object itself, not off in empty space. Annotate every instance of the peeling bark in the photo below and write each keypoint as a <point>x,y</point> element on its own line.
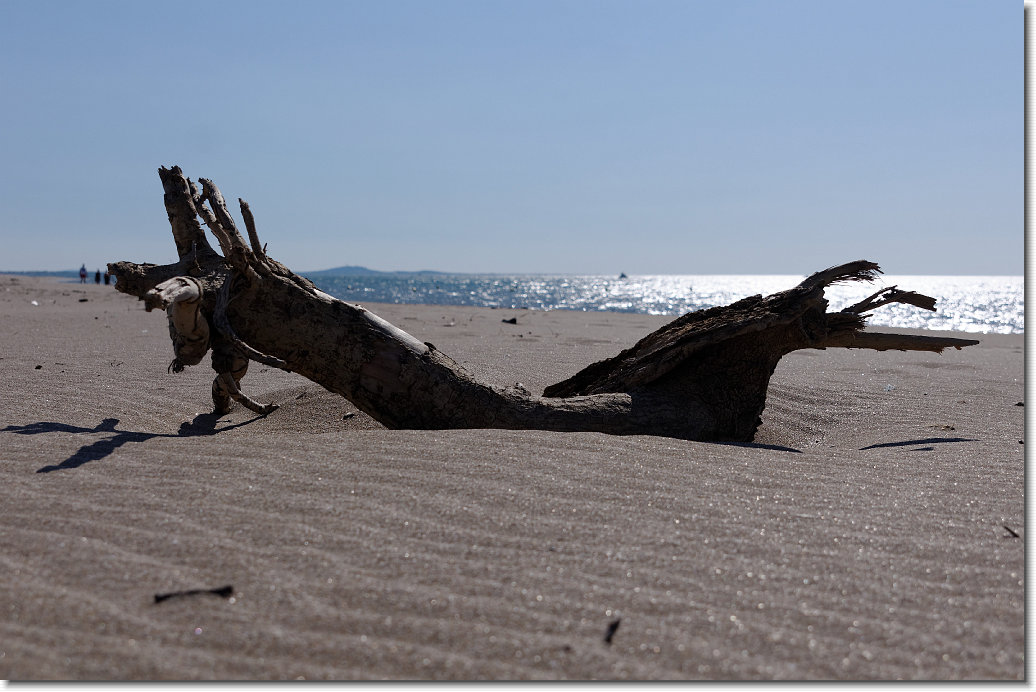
<point>703,376</point>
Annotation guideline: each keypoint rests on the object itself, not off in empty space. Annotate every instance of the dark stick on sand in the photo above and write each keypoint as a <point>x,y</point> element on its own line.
<point>611,631</point>
<point>224,591</point>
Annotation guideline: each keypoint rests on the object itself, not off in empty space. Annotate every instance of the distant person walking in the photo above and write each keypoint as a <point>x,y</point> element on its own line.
<point>107,278</point>
<point>82,274</point>
<point>97,277</point>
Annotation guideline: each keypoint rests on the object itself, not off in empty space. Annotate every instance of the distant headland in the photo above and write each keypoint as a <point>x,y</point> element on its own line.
<point>350,270</point>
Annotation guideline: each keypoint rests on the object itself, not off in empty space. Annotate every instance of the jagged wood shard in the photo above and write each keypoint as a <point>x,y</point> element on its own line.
<point>703,376</point>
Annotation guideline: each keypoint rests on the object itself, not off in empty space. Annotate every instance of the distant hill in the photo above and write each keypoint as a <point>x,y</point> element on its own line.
<point>344,271</point>
<point>352,270</point>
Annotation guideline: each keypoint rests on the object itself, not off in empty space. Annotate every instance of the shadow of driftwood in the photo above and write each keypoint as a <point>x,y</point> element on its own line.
<point>203,424</point>
<point>925,441</point>
<point>760,445</point>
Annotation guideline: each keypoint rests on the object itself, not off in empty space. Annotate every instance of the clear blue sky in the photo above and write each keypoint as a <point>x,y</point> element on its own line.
<point>587,136</point>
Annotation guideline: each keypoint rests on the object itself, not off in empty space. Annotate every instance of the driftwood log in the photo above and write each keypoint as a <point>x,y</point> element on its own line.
<point>703,376</point>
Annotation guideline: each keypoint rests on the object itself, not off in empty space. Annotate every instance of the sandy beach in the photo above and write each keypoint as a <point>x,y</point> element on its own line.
<point>874,530</point>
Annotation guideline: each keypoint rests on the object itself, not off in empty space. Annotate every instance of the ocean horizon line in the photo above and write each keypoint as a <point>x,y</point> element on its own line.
<point>360,271</point>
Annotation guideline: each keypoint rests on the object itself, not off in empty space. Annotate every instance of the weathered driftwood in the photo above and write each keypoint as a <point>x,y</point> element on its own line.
<point>703,376</point>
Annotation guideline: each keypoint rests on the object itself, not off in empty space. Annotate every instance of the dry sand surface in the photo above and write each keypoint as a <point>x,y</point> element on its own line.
<point>866,535</point>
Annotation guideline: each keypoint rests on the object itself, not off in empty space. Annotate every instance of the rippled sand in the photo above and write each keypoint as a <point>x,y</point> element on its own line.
<point>868,534</point>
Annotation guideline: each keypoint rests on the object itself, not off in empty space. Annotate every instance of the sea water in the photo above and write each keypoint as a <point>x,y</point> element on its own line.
<point>984,304</point>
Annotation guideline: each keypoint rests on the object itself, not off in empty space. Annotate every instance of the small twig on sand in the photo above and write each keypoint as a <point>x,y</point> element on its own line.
<point>224,591</point>
<point>611,631</point>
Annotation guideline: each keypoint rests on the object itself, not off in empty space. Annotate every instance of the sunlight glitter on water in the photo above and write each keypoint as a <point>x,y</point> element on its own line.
<point>991,304</point>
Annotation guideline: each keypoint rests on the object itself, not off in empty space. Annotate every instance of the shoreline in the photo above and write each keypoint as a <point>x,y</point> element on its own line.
<point>791,280</point>
<point>863,535</point>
